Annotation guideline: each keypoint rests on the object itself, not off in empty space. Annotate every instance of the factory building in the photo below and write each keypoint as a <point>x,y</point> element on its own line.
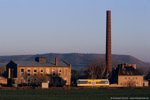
<point>59,72</point>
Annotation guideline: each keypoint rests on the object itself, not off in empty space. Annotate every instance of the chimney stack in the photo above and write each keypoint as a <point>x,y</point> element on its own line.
<point>56,61</point>
<point>40,59</point>
<point>108,42</point>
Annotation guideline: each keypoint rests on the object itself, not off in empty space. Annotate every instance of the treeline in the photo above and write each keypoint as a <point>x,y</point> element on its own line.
<point>3,71</point>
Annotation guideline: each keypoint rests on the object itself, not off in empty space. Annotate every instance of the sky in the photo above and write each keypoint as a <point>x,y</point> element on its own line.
<point>74,26</point>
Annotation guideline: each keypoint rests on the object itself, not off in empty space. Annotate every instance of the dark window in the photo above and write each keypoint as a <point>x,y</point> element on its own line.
<point>84,82</point>
<point>102,82</point>
<point>22,70</point>
<point>28,70</point>
<point>41,70</point>
<point>53,73</point>
<point>35,70</point>
<point>59,70</point>
<point>28,74</point>
<point>34,74</point>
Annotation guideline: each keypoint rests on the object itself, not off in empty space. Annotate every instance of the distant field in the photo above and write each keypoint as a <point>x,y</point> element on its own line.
<point>81,94</point>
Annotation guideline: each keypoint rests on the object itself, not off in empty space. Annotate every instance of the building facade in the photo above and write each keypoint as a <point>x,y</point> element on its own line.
<point>130,80</point>
<point>28,71</point>
<point>128,76</point>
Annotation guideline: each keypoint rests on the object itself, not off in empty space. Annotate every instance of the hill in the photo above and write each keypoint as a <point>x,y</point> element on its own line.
<point>78,60</point>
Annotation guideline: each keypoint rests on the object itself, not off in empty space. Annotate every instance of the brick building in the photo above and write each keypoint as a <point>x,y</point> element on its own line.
<point>128,75</point>
<point>22,71</point>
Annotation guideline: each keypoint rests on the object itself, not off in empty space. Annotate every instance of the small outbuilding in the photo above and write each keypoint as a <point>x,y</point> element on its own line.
<point>45,85</point>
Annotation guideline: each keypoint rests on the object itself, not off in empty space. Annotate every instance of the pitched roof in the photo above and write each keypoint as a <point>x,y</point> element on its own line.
<point>128,71</point>
<point>36,64</point>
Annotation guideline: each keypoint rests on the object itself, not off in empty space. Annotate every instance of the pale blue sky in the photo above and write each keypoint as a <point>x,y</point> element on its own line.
<point>66,26</point>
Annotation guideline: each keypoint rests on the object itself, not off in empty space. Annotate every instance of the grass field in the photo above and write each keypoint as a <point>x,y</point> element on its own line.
<point>73,94</point>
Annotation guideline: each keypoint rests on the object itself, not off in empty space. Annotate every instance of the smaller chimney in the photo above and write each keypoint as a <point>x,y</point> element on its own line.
<point>56,61</point>
<point>40,59</point>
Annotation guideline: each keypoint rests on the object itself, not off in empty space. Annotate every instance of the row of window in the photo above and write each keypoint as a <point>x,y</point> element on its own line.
<point>130,78</point>
<point>47,71</point>
<point>41,70</point>
<point>28,74</point>
<point>129,83</point>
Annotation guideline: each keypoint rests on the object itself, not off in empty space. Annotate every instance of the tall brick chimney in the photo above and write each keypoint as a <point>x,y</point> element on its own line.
<point>108,42</point>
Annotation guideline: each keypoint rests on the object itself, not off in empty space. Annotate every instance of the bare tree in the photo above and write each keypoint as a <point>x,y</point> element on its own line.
<point>96,69</point>
<point>2,71</point>
<point>32,79</point>
<point>131,83</point>
<point>39,78</point>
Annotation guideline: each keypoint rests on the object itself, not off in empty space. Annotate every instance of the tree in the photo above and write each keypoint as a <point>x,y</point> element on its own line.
<point>131,83</point>
<point>39,78</point>
<point>3,71</point>
<point>32,79</point>
<point>96,69</point>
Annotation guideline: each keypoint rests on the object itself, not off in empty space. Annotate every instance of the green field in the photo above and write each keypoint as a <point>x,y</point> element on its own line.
<point>75,94</point>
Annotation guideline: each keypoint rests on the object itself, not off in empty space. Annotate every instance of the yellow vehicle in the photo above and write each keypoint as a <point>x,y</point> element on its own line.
<point>93,82</point>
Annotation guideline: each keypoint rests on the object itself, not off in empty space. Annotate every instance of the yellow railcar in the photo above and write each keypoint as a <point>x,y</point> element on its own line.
<point>93,82</point>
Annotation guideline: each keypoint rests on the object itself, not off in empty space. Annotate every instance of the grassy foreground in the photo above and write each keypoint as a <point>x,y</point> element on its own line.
<point>75,94</point>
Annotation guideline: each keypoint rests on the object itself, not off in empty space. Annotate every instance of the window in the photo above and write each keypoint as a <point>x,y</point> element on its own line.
<point>28,74</point>
<point>53,71</point>
<point>42,70</point>
<point>129,78</point>
<point>60,70</point>
<point>102,82</point>
<point>84,82</point>
<point>34,74</point>
<point>35,70</point>
<point>22,70</point>
<point>136,78</point>
<point>125,78</point>
<point>28,70</point>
